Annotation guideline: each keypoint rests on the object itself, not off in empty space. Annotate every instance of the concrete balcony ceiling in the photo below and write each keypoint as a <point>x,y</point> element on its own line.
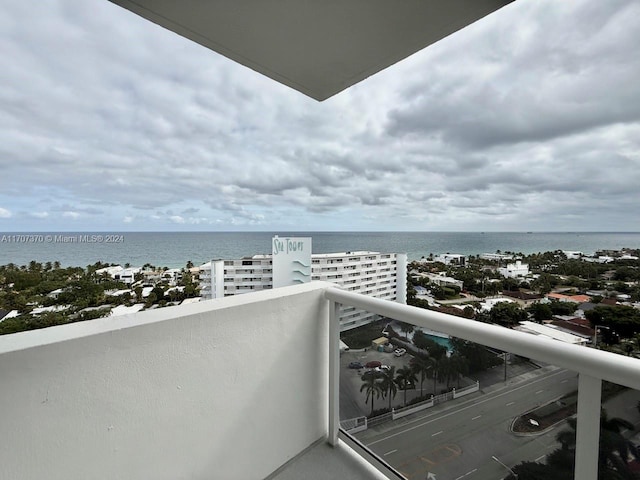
<point>316,47</point>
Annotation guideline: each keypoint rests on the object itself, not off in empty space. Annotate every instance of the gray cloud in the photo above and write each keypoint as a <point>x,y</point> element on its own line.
<point>527,119</point>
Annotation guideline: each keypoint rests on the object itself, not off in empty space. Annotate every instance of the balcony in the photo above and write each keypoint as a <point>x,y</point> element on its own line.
<point>242,387</point>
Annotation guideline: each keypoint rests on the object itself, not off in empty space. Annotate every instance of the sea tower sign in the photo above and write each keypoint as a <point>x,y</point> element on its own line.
<point>291,258</point>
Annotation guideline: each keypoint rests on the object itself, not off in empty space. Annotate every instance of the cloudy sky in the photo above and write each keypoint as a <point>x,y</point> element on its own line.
<point>528,120</point>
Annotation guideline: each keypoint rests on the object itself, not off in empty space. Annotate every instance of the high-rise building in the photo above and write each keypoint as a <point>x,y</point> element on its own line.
<point>380,275</point>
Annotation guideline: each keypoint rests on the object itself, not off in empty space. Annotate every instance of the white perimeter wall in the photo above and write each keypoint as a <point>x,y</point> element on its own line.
<point>223,389</point>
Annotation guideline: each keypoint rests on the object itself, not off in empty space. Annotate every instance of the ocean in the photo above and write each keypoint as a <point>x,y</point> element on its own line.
<point>175,249</point>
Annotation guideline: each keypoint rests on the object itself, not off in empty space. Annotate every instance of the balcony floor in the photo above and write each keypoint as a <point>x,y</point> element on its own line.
<point>324,462</point>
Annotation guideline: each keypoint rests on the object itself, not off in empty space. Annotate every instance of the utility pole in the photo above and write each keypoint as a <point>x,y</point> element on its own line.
<point>595,334</point>
<point>505,366</point>
<point>510,471</point>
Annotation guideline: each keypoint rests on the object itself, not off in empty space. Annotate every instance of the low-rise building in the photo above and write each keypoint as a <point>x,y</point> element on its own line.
<point>121,274</point>
<point>550,331</point>
<point>488,303</point>
<point>172,276</point>
<point>568,298</point>
<point>522,298</point>
<point>514,270</point>
<point>451,259</point>
<point>6,314</point>
<point>439,279</point>
<point>496,256</point>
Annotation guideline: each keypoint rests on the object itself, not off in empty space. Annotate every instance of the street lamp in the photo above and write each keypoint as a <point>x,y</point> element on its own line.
<point>510,471</point>
<point>595,334</point>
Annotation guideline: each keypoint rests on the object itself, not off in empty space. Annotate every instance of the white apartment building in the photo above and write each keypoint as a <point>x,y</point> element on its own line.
<point>380,275</point>
<point>451,259</point>
<point>514,270</point>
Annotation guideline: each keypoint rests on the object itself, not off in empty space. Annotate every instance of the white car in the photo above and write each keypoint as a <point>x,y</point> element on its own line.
<point>399,352</point>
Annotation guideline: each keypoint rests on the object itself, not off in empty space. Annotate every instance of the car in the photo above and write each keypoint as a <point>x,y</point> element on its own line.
<point>382,368</point>
<point>373,364</point>
<point>399,352</point>
<point>357,365</point>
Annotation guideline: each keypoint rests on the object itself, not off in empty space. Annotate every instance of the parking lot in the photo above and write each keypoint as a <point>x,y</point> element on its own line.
<point>352,401</point>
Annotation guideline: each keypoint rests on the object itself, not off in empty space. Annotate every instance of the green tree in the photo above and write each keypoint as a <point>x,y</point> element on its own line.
<point>422,367</point>
<point>459,367</point>
<point>562,308</point>
<point>614,449</point>
<point>540,312</point>
<point>477,356</point>
<point>389,384</point>
<point>406,328</point>
<point>372,386</point>
<point>623,319</point>
<point>422,341</point>
<point>535,471</point>
<point>405,378</point>
<point>507,313</point>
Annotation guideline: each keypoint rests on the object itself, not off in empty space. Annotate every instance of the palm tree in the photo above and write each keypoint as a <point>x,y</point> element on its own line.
<point>437,355</point>
<point>372,386</point>
<point>459,366</point>
<point>446,370</point>
<point>614,449</point>
<point>406,328</point>
<point>404,378</point>
<point>422,367</point>
<point>388,383</point>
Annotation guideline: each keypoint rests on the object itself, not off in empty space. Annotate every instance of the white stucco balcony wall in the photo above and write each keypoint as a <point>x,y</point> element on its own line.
<point>228,388</point>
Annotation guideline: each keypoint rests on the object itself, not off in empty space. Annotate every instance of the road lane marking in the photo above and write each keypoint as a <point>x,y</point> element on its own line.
<point>468,473</point>
<point>437,433</point>
<point>392,451</point>
<point>539,391</point>
<point>540,458</point>
<point>564,381</point>
<point>510,403</point>
<point>477,417</point>
<point>472,404</point>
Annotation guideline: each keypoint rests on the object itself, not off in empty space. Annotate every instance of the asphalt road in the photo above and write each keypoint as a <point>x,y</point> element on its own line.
<point>458,442</point>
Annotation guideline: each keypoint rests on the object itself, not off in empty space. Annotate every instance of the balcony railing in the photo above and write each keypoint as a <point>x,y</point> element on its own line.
<point>593,366</point>
<point>194,391</point>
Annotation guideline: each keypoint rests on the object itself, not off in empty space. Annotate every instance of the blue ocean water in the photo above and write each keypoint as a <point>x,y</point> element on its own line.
<point>174,249</point>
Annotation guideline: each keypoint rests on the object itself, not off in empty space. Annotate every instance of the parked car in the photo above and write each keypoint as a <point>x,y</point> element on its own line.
<point>373,364</point>
<point>374,371</point>
<point>357,365</point>
<point>399,352</point>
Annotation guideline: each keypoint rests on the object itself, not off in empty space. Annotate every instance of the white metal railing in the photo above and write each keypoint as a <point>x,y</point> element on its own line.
<point>592,365</point>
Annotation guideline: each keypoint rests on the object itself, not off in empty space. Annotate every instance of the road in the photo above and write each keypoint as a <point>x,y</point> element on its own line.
<point>458,443</point>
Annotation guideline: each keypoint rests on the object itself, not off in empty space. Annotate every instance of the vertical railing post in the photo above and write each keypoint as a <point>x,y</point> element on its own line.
<point>588,427</point>
<point>334,371</point>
